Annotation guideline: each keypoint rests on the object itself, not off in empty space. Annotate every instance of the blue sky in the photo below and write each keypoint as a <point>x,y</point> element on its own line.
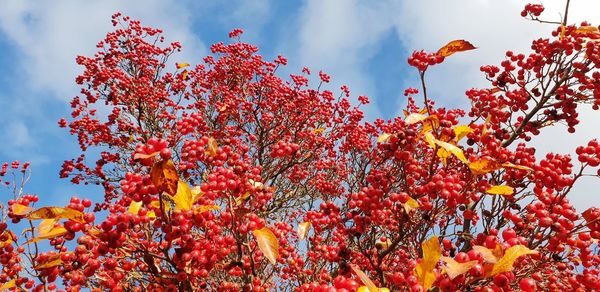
<point>363,44</point>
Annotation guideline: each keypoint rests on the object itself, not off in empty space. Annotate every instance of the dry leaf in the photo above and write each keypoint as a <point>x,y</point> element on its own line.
<point>410,205</point>
<point>483,166</point>
<point>505,264</point>
<point>364,279</point>
<point>454,268</point>
<point>454,47</point>
<point>500,190</point>
<point>488,255</point>
<point>20,210</point>
<point>303,229</point>
<point>383,138</point>
<point>267,243</point>
<point>164,177</point>
<point>414,118</point>
<point>212,147</point>
<point>145,156</point>
<point>56,213</point>
<point>461,131</point>
<point>8,285</point>
<point>182,65</point>
<point>431,255</point>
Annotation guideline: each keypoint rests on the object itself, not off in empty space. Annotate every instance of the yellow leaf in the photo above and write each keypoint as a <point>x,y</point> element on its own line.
<point>46,226</point>
<point>54,232</point>
<point>134,207</point>
<point>483,166</point>
<point>241,199</point>
<point>371,287</point>
<point>562,32</point>
<point>204,208</point>
<point>489,255</point>
<point>212,147</point>
<point>144,156</point>
<point>196,194</point>
<point>431,255</point>
<point>56,213</point>
<point>515,166</point>
<point>8,285</point>
<point>20,210</point>
<point>318,130</point>
<point>452,149</point>
<point>461,131</point>
<point>500,190</point>
<point>151,214</point>
<point>505,264</point>
<point>454,47</point>
<point>8,240</point>
<point>303,229</point>
<point>366,289</point>
<point>183,197</point>
<point>383,138</point>
<point>443,154</point>
<point>430,139</point>
<point>164,177</point>
<point>454,268</point>
<point>587,29</point>
<point>415,118</point>
<point>267,243</point>
<point>49,264</point>
<point>184,74</point>
<point>410,205</point>
<point>182,65</point>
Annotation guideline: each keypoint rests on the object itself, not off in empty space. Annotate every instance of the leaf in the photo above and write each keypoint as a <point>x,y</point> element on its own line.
<point>56,213</point>
<point>183,199</point>
<point>364,279</point>
<point>505,264</point>
<point>410,205</point>
<point>196,194</point>
<point>267,243</point>
<point>8,241</point>
<point>483,166</point>
<point>54,232</point>
<point>318,131</point>
<point>452,149</point>
<point>461,131</point>
<point>414,118</point>
<point>587,29</point>
<point>212,147</point>
<point>443,154</point>
<point>501,190</point>
<point>8,285</point>
<point>430,139</point>
<point>303,229</point>
<point>454,268</point>
<point>431,255</point>
<point>145,156</point>
<point>515,166</point>
<point>46,226</point>
<point>20,210</point>
<point>182,65</point>
<point>488,254</point>
<point>50,263</point>
<point>366,289</point>
<point>164,177</point>
<point>204,208</point>
<point>383,244</point>
<point>134,207</point>
<point>384,137</point>
<point>454,47</point>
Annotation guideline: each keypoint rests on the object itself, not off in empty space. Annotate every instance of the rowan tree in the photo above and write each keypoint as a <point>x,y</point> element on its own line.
<point>224,176</point>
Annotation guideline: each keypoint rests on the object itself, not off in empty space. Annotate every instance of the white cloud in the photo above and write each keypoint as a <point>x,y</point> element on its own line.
<point>49,35</point>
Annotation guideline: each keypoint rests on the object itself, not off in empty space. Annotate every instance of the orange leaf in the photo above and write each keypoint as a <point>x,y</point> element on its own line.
<point>318,131</point>
<point>364,279</point>
<point>483,166</point>
<point>431,255</point>
<point>454,268</point>
<point>145,156</point>
<point>46,226</point>
<point>505,264</point>
<point>20,210</point>
<point>52,261</point>
<point>587,29</point>
<point>8,285</point>
<point>410,205</point>
<point>414,118</point>
<point>488,255</point>
<point>515,166</point>
<point>500,190</point>
<point>164,177</point>
<point>182,65</point>
<point>204,208</point>
<point>56,213</point>
<point>212,147</point>
<point>303,229</point>
<point>462,131</point>
<point>267,243</point>
<point>454,47</point>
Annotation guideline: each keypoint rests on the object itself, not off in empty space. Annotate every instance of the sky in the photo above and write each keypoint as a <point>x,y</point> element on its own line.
<point>363,44</point>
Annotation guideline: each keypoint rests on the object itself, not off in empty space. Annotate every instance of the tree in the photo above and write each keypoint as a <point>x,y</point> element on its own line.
<point>224,176</point>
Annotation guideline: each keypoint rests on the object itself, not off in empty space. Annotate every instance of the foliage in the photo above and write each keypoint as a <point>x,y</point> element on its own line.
<point>223,176</point>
